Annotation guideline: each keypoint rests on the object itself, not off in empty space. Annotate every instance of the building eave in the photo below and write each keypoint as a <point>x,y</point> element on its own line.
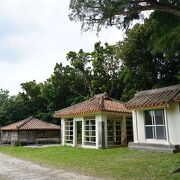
<point>91,113</point>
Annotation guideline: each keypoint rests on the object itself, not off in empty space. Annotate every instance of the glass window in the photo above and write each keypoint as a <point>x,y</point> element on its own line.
<point>114,131</point>
<point>90,131</point>
<point>161,134</point>
<point>68,136</point>
<point>148,117</point>
<point>155,125</point>
<point>149,132</point>
<point>159,117</point>
<point>129,128</point>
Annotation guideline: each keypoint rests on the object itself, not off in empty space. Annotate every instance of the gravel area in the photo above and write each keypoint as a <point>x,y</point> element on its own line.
<point>12,168</point>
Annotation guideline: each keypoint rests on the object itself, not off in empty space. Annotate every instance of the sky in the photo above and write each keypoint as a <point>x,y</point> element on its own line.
<point>37,34</point>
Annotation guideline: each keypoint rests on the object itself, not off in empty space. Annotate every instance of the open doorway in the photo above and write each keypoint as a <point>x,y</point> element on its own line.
<point>114,131</point>
<point>79,133</point>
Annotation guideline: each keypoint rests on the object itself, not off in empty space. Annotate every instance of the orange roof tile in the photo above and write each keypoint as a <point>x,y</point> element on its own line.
<point>30,124</point>
<point>155,98</point>
<point>99,103</point>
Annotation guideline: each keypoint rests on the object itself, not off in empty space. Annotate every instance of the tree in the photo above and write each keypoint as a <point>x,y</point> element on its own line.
<point>82,70</point>
<point>106,68</point>
<point>143,69</point>
<point>165,34</point>
<point>98,71</point>
<point>32,97</point>
<point>11,108</point>
<point>99,13</point>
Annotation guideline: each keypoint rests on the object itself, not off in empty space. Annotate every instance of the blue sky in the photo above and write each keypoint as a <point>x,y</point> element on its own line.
<point>37,34</point>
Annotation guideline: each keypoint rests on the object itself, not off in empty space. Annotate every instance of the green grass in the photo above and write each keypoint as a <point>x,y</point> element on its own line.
<point>119,163</point>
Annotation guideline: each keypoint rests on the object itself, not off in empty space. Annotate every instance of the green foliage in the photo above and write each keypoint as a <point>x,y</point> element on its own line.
<point>98,70</point>
<point>143,66</point>
<point>106,68</point>
<point>165,36</point>
<point>95,14</point>
<point>103,13</point>
<point>11,108</point>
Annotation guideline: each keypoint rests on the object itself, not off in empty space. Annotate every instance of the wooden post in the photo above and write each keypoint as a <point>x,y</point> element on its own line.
<point>28,138</point>
<point>123,131</point>
<point>18,137</point>
<point>105,131</point>
<point>35,137</point>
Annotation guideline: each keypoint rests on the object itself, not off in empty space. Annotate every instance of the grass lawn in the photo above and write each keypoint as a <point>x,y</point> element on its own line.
<point>119,163</point>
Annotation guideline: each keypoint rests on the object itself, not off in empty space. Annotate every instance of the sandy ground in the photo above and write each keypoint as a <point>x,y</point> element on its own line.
<point>16,169</point>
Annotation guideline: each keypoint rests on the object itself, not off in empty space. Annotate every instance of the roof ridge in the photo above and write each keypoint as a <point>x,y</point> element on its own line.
<point>101,103</point>
<point>25,122</point>
<point>104,95</point>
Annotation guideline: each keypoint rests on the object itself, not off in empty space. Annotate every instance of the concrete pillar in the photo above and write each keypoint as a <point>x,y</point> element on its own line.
<point>167,125</point>
<point>83,132</point>
<point>98,131</point>
<point>135,130</point>
<point>101,118</point>
<point>123,131</point>
<point>62,131</point>
<point>74,133</point>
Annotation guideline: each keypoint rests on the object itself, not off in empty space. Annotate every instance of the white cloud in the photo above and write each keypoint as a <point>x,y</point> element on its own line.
<point>34,35</point>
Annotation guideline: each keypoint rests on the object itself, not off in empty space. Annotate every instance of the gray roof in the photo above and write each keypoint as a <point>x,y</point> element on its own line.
<point>155,97</point>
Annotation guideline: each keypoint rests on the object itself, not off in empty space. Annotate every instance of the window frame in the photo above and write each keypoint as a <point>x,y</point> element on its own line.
<point>68,124</point>
<point>114,123</point>
<point>154,125</point>
<point>90,129</point>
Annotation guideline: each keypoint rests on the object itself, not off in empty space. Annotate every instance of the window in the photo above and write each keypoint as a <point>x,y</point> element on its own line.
<point>114,131</point>
<point>129,129</point>
<point>155,125</point>
<point>90,131</point>
<point>68,131</point>
<point>110,130</point>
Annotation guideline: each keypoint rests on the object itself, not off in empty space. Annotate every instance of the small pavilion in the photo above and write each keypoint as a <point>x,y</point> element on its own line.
<point>99,122</point>
<point>30,131</point>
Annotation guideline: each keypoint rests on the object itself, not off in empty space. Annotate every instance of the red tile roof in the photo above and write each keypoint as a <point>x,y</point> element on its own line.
<point>30,124</point>
<point>99,103</point>
<point>155,98</point>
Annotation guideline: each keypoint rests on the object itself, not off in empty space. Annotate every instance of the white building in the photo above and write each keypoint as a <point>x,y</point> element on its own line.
<point>99,122</point>
<point>156,119</point>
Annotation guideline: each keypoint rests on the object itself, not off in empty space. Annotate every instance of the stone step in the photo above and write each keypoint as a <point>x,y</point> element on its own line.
<point>154,147</point>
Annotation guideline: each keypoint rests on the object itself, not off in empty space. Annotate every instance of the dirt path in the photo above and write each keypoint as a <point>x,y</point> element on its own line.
<point>16,169</point>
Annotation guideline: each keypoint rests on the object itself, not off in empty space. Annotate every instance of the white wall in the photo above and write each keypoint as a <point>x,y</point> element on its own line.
<point>172,118</point>
<point>138,126</point>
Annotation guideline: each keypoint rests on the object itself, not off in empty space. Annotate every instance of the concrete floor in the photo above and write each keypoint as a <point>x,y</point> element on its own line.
<point>42,145</point>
